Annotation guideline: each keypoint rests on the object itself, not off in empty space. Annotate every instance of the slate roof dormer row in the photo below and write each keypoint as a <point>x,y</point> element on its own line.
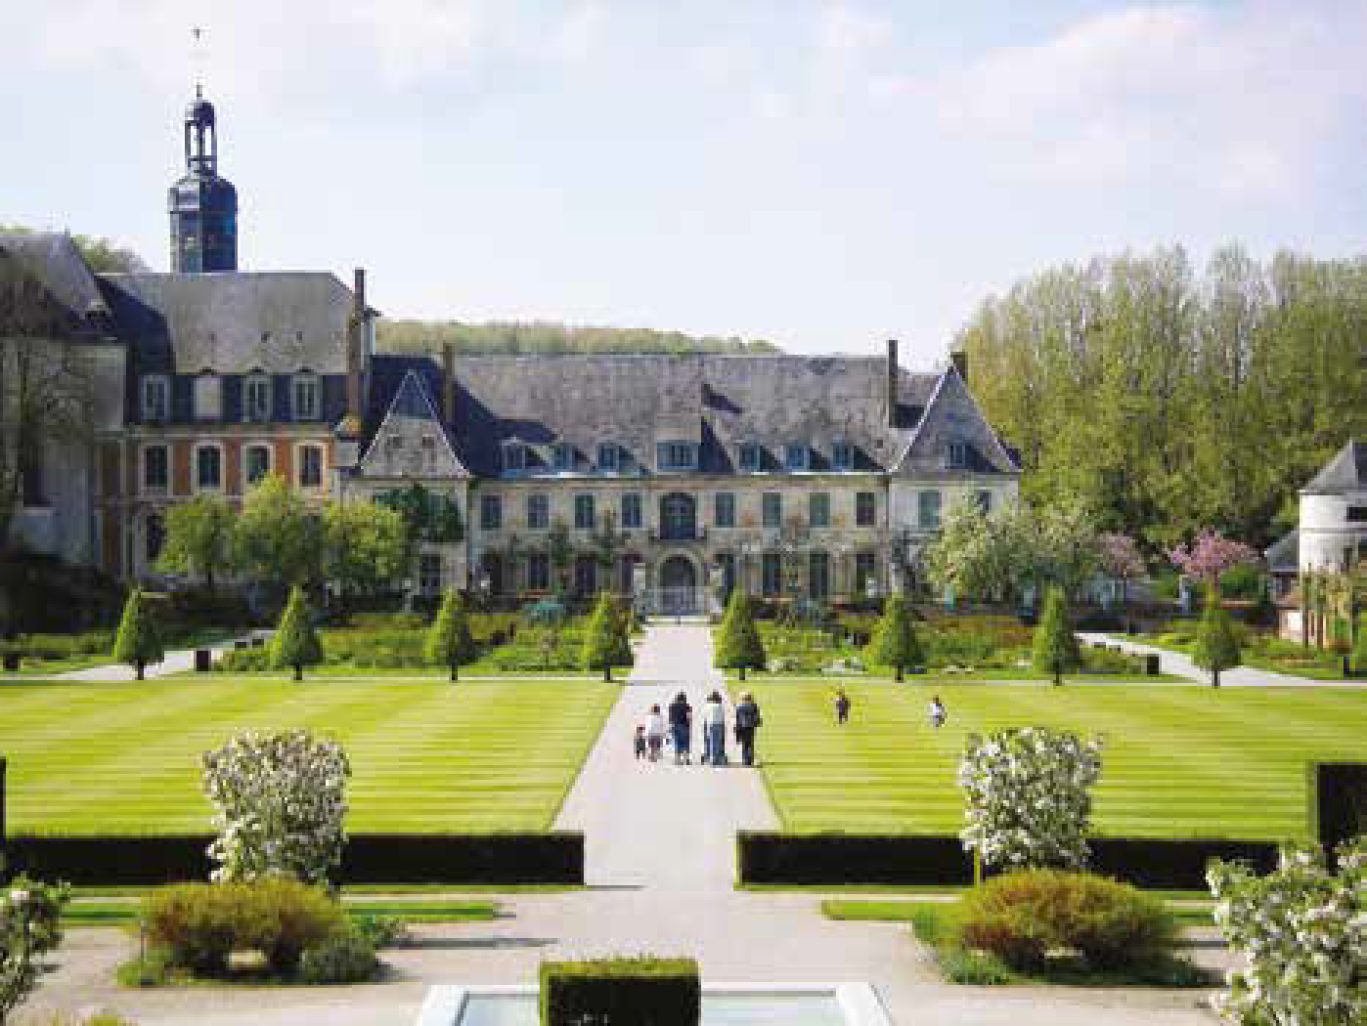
<point>717,402</point>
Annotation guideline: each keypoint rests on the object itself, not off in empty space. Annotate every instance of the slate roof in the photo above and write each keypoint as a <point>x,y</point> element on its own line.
<point>234,322</point>
<point>1284,555</point>
<point>54,261</point>
<point>718,402</point>
<point>1346,472</point>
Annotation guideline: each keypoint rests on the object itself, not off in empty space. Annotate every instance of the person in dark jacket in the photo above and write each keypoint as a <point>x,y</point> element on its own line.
<point>681,728</point>
<point>747,722</point>
<point>842,706</point>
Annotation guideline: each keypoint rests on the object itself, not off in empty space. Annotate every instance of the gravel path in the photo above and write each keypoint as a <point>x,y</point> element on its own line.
<point>660,869</point>
<point>1239,677</point>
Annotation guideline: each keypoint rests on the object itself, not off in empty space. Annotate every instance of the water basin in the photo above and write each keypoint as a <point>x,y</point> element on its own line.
<point>844,1004</point>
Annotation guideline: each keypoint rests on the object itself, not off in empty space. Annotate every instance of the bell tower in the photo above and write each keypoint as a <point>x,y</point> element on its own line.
<point>202,205</point>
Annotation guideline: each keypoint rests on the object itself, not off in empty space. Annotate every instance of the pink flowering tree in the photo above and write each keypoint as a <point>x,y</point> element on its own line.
<point>1210,556</point>
<point>1120,558</point>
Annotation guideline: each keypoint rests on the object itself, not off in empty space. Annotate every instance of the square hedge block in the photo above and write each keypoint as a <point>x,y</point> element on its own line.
<point>641,991</point>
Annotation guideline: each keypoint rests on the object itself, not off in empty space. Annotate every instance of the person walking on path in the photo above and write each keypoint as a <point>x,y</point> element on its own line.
<point>842,706</point>
<point>655,732</point>
<point>747,722</point>
<point>714,723</point>
<point>681,727</point>
<point>938,715</point>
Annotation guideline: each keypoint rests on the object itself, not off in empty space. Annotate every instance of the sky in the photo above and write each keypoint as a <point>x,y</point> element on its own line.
<point>824,175</point>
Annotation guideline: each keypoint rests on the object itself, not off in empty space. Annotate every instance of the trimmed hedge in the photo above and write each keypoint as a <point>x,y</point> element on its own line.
<point>764,857</point>
<point>640,991</point>
<point>129,860</point>
<point>1338,802</point>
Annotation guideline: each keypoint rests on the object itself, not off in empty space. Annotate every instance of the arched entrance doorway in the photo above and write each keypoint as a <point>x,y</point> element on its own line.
<point>678,587</point>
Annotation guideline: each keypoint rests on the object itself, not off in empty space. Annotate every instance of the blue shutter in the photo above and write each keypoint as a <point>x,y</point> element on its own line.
<point>281,397</point>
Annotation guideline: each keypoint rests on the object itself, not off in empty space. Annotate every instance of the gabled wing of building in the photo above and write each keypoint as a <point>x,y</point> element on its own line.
<point>952,419</point>
<point>411,440</point>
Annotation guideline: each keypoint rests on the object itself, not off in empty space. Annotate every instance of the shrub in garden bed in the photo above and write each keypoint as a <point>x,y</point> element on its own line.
<point>198,927</point>
<point>1026,917</point>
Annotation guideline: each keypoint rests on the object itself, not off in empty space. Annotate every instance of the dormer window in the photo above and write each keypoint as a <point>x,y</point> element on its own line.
<point>958,455</point>
<point>842,457</point>
<point>208,394</point>
<point>609,457</point>
<point>514,456</point>
<point>795,456</point>
<point>678,455</point>
<point>256,398</point>
<point>156,398</point>
<point>305,396</point>
<point>749,457</point>
<point>562,456</point>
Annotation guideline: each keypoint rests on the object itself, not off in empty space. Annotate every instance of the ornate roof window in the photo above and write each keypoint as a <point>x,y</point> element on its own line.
<point>842,456</point>
<point>750,454</point>
<point>562,456</point>
<point>678,455</point>
<point>609,456</point>
<point>156,398</point>
<point>514,456</point>
<point>796,456</point>
<point>304,396</point>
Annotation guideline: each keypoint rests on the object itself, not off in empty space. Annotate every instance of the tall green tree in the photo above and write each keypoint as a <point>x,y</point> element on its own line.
<point>739,646</point>
<point>1055,649</point>
<point>606,644</point>
<point>365,545</point>
<point>895,643</point>
<point>138,642</point>
<point>199,538</point>
<point>276,539</point>
<point>1360,648</point>
<point>296,643</point>
<point>1217,645</point>
<point>1169,399</point>
<point>448,639</point>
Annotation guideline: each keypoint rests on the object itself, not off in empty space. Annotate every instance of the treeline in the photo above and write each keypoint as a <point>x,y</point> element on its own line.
<point>1172,401</point>
<point>103,255</point>
<point>548,337</point>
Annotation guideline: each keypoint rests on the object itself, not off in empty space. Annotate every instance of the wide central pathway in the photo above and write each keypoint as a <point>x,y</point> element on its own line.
<point>660,825</point>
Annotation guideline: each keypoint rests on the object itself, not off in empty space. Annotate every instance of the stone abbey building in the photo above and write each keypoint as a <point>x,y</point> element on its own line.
<point>671,477</point>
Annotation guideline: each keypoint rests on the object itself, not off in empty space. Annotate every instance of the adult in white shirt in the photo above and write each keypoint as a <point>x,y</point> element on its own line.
<point>714,724</point>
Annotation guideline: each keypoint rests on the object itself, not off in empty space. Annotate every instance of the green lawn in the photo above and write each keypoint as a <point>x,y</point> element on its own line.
<point>1179,761</point>
<point>424,757</point>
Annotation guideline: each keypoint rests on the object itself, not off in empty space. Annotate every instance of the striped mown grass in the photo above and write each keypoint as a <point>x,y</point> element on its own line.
<point>425,758</point>
<point>1179,761</point>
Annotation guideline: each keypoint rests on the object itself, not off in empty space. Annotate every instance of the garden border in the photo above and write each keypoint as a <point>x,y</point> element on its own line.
<point>555,857</point>
<point>837,858</point>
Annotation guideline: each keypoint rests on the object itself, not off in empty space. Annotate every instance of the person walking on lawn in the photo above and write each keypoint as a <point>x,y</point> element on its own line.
<point>714,724</point>
<point>747,722</point>
<point>842,706</point>
<point>681,727</point>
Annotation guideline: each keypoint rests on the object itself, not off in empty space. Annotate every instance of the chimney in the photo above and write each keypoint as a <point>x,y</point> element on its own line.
<point>891,397</point>
<point>960,360</point>
<point>448,383</point>
<point>354,357</point>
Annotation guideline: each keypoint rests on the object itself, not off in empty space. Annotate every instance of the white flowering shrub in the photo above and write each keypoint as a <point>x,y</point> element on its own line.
<point>1303,933</point>
<point>280,800</point>
<point>1027,797</point>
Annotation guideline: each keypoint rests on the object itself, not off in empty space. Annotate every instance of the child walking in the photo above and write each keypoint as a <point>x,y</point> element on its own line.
<point>655,732</point>
<point>640,741</point>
